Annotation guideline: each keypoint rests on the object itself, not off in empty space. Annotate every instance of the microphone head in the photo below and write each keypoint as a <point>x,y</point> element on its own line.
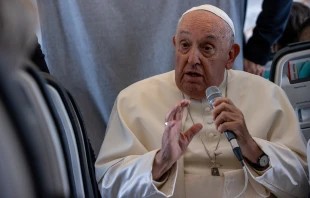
<point>212,93</point>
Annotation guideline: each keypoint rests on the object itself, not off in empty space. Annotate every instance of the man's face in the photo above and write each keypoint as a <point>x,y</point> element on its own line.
<point>202,52</point>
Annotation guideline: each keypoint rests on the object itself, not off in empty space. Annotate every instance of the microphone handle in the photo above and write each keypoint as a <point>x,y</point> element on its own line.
<point>230,135</point>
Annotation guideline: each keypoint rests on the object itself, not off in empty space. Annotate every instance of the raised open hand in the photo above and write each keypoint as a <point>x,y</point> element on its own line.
<point>174,142</point>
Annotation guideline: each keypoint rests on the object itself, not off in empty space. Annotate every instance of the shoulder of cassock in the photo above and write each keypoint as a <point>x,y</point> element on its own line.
<point>253,88</point>
<point>160,88</point>
<point>242,86</point>
<point>265,107</point>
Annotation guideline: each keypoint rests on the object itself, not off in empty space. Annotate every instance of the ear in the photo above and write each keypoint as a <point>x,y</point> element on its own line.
<point>173,40</point>
<point>233,53</point>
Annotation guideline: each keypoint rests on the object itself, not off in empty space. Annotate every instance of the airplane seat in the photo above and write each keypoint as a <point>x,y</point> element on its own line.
<point>291,71</point>
<point>51,133</point>
<point>90,154</point>
<point>32,160</point>
<point>16,167</point>
<point>77,138</point>
<point>308,159</point>
<point>57,135</point>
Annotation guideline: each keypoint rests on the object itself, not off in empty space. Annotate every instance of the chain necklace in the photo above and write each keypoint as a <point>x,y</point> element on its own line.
<point>214,168</point>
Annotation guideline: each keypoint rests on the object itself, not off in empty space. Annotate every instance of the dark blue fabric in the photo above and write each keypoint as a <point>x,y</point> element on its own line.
<point>270,25</point>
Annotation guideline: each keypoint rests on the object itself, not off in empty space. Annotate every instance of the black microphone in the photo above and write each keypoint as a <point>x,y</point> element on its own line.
<point>213,93</point>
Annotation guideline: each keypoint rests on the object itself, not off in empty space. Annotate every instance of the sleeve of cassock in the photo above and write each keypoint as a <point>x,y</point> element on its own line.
<point>124,165</point>
<point>285,146</point>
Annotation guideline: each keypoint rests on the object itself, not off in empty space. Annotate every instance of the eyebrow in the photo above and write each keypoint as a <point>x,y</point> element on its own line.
<point>184,32</point>
<point>212,37</point>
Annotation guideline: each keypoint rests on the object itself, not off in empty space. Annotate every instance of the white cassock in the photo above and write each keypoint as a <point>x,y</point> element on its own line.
<point>136,126</point>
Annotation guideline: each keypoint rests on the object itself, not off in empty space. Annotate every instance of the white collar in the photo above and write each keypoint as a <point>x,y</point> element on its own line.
<point>222,87</point>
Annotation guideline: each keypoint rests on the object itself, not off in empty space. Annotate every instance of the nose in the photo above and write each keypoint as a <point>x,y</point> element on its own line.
<point>193,58</point>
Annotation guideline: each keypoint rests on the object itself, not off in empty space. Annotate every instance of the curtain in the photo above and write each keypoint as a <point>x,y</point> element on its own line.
<point>96,48</point>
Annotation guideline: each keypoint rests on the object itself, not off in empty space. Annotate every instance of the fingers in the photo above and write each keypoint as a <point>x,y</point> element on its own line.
<point>225,114</point>
<point>253,68</point>
<point>171,113</point>
<point>171,130</point>
<point>175,116</point>
<point>191,132</point>
<point>184,103</point>
<point>249,66</point>
<point>218,101</point>
<point>169,125</point>
<point>237,126</point>
<point>227,126</point>
<point>223,107</point>
<point>245,64</point>
<point>261,70</point>
<point>177,111</point>
<point>224,117</point>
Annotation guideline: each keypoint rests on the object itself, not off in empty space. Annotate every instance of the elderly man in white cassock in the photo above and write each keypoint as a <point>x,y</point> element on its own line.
<point>164,139</point>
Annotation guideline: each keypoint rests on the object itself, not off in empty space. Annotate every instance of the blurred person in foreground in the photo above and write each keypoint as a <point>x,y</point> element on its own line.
<point>18,43</point>
<point>18,23</point>
<point>153,150</point>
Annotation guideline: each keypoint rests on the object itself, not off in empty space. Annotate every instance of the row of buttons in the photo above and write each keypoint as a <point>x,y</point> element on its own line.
<point>210,121</point>
<point>211,135</point>
<point>208,109</point>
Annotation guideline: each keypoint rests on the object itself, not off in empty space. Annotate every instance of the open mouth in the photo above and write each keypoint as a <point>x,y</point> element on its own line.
<point>193,74</point>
